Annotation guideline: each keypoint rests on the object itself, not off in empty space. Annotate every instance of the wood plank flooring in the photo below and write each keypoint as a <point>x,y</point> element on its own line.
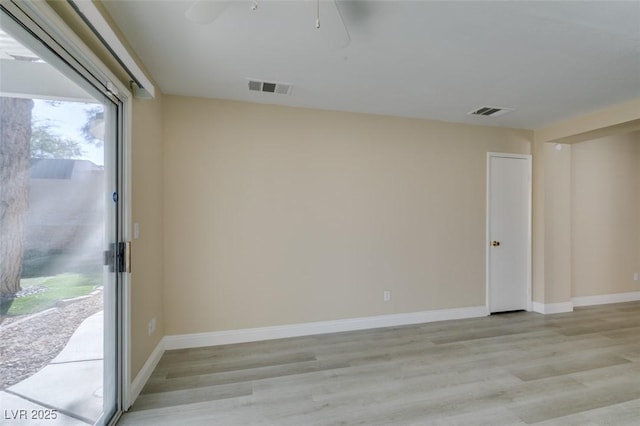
<point>580,368</point>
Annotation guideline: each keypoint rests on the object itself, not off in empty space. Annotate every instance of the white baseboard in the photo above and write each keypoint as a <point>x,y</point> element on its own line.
<point>603,299</point>
<point>552,308</point>
<point>183,341</point>
<point>145,372</point>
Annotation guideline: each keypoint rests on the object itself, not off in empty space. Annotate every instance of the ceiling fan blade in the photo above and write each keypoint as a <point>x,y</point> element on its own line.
<point>205,11</point>
<point>335,34</point>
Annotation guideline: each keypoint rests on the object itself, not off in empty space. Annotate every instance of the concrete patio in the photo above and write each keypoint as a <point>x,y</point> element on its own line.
<point>71,384</point>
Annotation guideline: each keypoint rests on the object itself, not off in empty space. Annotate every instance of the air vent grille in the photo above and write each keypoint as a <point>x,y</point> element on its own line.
<point>489,111</point>
<point>269,87</point>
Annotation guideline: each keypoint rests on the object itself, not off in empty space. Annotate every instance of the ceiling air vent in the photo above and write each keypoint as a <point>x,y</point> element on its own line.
<point>267,87</point>
<point>489,111</point>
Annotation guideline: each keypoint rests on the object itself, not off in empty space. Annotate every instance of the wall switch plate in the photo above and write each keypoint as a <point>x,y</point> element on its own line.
<point>386,295</point>
<point>152,326</point>
<point>136,231</point>
<point>636,276</point>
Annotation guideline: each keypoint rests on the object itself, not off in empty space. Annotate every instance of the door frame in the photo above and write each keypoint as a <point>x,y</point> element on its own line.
<point>529,197</point>
<point>97,71</point>
<point>44,23</point>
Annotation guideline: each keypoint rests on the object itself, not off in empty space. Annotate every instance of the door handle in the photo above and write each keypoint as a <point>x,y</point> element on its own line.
<point>495,243</point>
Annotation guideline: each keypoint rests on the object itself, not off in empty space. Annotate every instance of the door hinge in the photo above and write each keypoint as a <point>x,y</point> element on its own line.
<point>118,257</point>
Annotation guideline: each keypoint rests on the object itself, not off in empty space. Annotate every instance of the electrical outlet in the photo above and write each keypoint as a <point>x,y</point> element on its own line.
<point>152,326</point>
<point>386,295</point>
<point>636,276</point>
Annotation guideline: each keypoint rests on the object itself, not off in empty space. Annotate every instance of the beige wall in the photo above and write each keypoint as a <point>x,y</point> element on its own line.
<point>147,210</point>
<point>278,215</point>
<point>554,268</point>
<point>617,119</point>
<point>538,222</point>
<point>605,195</point>
<point>146,184</point>
<point>557,219</point>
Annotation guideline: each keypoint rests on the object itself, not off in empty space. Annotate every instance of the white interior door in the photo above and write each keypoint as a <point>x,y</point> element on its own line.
<point>509,232</point>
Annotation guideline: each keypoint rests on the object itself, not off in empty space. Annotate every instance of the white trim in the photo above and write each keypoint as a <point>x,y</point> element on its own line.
<point>529,265</point>
<point>552,308</point>
<point>145,373</point>
<point>127,384</point>
<point>91,13</point>
<point>128,389</point>
<point>509,155</point>
<point>80,52</point>
<point>184,341</point>
<point>603,299</point>
<point>487,229</point>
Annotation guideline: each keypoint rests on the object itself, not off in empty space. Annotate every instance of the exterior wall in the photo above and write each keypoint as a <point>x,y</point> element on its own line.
<point>65,221</point>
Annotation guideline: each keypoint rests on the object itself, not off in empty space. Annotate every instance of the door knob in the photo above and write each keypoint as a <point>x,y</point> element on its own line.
<point>495,243</point>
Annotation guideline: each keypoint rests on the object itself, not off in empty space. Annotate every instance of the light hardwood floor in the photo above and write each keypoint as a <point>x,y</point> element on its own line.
<point>580,368</point>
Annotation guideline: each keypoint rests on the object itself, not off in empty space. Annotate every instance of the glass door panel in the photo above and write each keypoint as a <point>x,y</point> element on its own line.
<point>58,221</point>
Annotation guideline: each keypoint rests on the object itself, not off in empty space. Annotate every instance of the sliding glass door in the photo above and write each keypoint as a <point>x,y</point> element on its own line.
<point>60,252</point>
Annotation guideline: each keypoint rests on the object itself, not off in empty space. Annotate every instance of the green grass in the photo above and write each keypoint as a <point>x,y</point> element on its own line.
<point>63,286</point>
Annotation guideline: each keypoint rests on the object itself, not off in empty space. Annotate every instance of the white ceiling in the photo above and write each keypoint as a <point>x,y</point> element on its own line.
<point>439,60</point>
